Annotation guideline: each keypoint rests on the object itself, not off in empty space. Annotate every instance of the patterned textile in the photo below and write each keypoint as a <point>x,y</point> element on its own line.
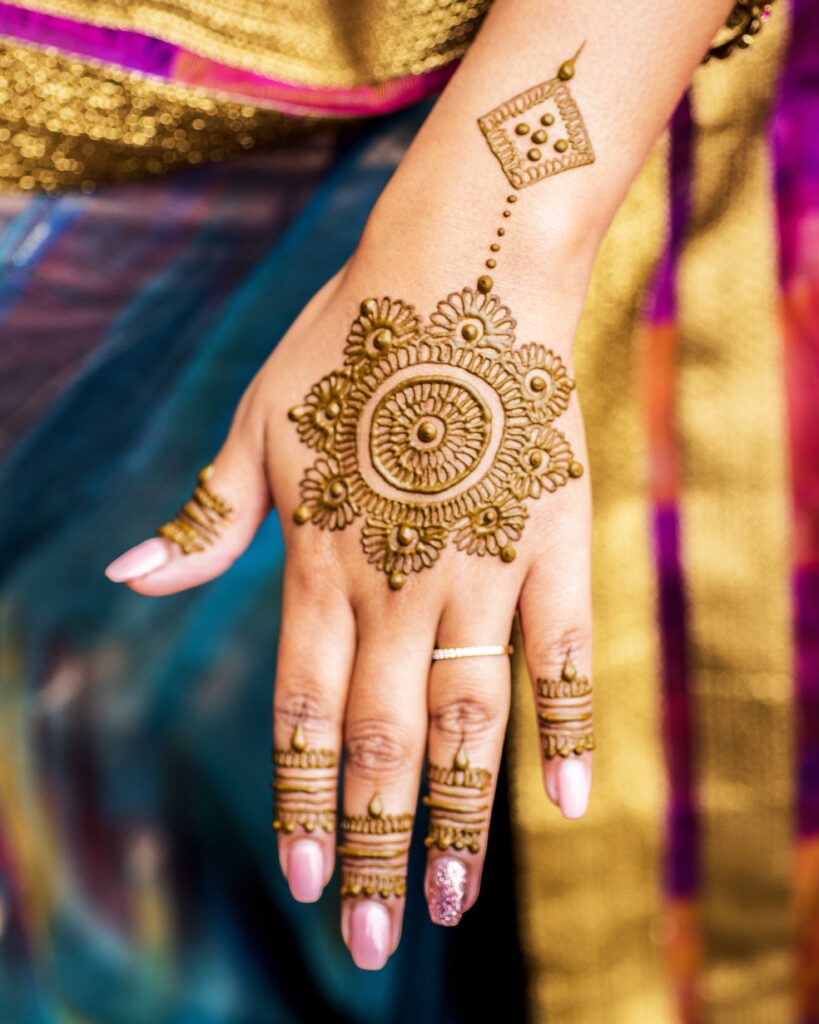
<point>692,893</point>
<point>139,880</point>
<point>168,85</point>
<point>138,877</point>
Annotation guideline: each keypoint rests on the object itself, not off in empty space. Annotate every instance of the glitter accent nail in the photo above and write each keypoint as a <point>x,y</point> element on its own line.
<point>446,888</point>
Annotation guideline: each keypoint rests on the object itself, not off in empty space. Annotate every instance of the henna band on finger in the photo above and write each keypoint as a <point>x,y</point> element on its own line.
<point>564,714</point>
<point>304,789</point>
<point>374,852</point>
<point>198,522</point>
<point>459,805</point>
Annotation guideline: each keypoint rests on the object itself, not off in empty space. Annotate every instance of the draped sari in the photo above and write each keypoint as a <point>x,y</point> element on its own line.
<point>138,876</point>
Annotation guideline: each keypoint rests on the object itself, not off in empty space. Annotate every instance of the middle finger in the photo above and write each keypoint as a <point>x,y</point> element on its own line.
<point>385,735</point>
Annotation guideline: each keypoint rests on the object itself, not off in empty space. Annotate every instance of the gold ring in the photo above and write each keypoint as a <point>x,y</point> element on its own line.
<point>486,651</point>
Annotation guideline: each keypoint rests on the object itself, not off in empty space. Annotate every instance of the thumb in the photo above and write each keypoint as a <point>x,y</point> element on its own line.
<point>211,530</point>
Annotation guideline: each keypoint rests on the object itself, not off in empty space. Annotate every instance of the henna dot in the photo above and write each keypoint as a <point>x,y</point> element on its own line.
<point>501,232</point>
<point>507,213</point>
<point>561,146</point>
<point>382,339</point>
<point>538,383</point>
<point>547,119</point>
<point>309,826</point>
<point>301,515</point>
<point>508,553</point>
<point>491,264</point>
<point>406,535</point>
<point>494,247</point>
<point>521,129</point>
<point>569,672</point>
<point>396,581</point>
<point>337,489</point>
<point>534,154</point>
<point>511,199</point>
<point>427,431</point>
<point>536,459</point>
<point>288,827</point>
<point>276,825</point>
<point>333,410</point>
<point>469,332</point>
<point>575,470</point>
<point>485,284</point>
<point>369,307</point>
<point>566,71</point>
<point>540,136</point>
<point>369,890</point>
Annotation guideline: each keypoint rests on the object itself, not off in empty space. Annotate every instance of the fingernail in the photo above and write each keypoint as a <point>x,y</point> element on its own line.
<point>446,888</point>
<point>305,870</point>
<point>370,926</point>
<point>573,786</point>
<point>138,561</point>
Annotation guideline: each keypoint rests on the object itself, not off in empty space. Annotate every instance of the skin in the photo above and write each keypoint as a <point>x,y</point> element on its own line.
<point>354,656</point>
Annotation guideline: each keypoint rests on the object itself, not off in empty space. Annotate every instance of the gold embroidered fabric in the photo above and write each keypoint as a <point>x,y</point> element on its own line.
<point>339,43</point>
<point>735,530</point>
<point>590,891</point>
<point>67,123</point>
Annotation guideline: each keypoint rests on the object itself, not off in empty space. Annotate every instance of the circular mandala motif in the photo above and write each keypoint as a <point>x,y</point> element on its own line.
<point>428,435</point>
<point>437,433</point>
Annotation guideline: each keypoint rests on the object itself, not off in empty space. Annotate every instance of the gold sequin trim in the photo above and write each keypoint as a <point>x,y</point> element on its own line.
<point>341,43</point>
<point>68,123</point>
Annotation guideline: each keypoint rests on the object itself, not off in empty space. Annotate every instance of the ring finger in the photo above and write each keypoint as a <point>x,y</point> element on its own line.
<point>469,707</point>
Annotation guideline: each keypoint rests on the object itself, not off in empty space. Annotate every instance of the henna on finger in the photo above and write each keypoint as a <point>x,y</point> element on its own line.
<point>374,852</point>
<point>459,804</point>
<point>304,788</point>
<point>564,713</point>
<point>198,523</point>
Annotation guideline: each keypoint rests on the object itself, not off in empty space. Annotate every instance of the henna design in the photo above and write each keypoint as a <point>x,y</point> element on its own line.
<point>458,803</point>
<point>438,435</point>
<point>564,713</point>
<point>305,787</point>
<point>371,865</point>
<point>198,522</point>
<point>539,132</point>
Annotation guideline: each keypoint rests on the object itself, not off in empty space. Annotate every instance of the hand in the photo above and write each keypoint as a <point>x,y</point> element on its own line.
<point>354,666</point>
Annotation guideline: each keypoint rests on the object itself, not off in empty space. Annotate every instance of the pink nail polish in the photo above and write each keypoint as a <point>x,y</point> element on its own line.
<point>446,887</point>
<point>573,786</point>
<point>305,870</point>
<point>138,561</point>
<point>370,926</point>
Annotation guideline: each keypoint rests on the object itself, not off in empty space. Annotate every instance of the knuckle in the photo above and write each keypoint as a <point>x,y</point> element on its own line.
<point>466,715</point>
<point>305,701</point>
<point>548,650</point>
<point>379,746</point>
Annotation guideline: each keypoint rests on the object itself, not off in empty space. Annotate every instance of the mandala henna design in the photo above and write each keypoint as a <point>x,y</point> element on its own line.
<point>458,803</point>
<point>305,787</point>
<point>443,432</point>
<point>539,132</point>
<point>564,713</point>
<point>372,865</point>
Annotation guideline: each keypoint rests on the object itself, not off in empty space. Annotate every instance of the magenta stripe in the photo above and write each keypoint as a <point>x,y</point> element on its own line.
<point>682,837</point>
<point>796,153</point>
<point>112,46</point>
<point>136,51</point>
